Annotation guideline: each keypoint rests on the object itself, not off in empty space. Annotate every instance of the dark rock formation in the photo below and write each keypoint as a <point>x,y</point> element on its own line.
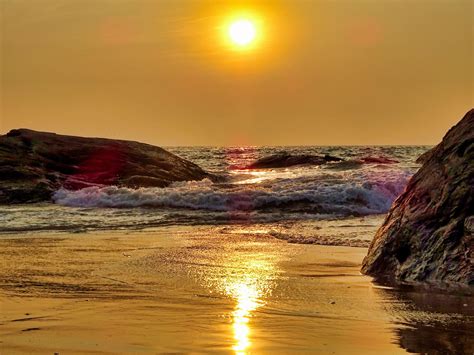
<point>428,233</point>
<point>423,157</point>
<point>284,160</point>
<point>34,164</point>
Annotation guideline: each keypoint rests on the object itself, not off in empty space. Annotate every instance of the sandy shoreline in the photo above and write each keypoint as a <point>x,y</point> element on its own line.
<point>211,289</point>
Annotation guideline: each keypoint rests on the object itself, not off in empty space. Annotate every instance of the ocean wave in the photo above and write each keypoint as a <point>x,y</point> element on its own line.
<point>354,195</point>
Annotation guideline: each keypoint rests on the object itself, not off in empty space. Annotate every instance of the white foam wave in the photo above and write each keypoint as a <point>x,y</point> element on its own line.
<point>363,194</point>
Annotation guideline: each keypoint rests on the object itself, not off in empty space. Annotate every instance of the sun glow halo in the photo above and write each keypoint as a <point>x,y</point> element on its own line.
<point>242,32</point>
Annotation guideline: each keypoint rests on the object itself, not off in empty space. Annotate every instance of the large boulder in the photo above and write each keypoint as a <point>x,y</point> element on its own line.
<point>35,164</point>
<point>285,160</point>
<point>428,233</point>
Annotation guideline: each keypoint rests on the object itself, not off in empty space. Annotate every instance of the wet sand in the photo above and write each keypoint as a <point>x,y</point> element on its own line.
<point>211,290</point>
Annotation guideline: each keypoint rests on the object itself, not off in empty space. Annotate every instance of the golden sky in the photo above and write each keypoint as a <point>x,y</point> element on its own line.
<point>161,71</point>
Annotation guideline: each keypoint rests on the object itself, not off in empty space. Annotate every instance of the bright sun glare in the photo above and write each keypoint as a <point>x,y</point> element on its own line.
<point>242,32</point>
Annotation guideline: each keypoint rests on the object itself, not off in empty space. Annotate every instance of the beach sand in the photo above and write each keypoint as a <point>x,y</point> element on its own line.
<point>231,289</point>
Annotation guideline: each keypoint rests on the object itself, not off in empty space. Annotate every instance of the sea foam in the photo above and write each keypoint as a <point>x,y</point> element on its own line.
<point>350,195</point>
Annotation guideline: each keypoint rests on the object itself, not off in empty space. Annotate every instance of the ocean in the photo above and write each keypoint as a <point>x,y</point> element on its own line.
<point>338,203</point>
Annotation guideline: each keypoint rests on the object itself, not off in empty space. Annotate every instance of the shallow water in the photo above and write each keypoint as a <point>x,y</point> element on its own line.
<point>221,289</point>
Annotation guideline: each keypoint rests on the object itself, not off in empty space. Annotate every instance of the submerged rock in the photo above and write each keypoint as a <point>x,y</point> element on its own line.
<point>284,160</point>
<point>428,234</point>
<point>35,164</point>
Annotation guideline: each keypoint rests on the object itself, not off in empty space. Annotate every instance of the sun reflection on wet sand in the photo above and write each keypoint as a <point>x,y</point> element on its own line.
<point>247,301</point>
<point>249,290</point>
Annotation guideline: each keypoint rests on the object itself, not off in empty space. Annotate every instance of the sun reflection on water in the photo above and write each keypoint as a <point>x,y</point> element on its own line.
<point>249,291</point>
<point>247,298</point>
<point>255,177</point>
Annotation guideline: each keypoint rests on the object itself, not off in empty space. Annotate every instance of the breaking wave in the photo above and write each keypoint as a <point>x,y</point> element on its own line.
<point>354,195</point>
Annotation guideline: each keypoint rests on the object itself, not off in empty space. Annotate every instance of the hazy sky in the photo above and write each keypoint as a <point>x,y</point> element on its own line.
<point>160,71</point>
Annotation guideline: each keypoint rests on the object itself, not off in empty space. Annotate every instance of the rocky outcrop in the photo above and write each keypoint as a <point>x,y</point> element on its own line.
<point>284,160</point>
<point>428,233</point>
<point>35,164</point>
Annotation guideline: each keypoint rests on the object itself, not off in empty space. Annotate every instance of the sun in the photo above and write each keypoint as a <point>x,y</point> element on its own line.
<point>242,32</point>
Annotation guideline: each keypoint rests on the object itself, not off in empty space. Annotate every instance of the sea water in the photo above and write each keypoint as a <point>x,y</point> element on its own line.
<point>344,201</point>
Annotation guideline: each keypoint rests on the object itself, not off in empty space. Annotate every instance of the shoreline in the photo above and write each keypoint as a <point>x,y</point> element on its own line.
<point>187,288</point>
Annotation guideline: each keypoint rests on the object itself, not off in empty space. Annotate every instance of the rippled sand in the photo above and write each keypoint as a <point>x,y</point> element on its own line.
<point>211,289</point>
